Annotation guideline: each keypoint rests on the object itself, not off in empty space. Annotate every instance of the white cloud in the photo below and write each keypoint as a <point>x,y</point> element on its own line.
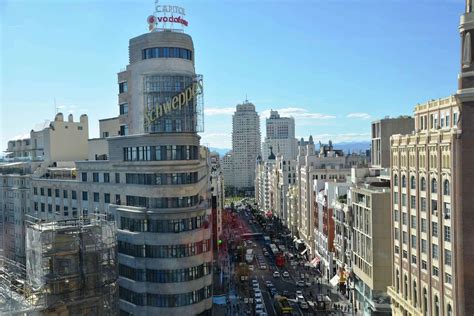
<point>218,140</point>
<point>359,115</point>
<point>218,111</point>
<point>299,113</point>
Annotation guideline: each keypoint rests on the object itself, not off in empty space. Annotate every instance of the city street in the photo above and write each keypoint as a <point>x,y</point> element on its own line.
<point>241,293</point>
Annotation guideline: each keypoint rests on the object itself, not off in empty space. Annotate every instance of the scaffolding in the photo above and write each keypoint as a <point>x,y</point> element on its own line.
<point>15,297</point>
<point>71,269</point>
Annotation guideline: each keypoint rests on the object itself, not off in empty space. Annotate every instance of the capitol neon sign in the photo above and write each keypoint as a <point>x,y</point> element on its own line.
<point>176,103</point>
<point>161,16</point>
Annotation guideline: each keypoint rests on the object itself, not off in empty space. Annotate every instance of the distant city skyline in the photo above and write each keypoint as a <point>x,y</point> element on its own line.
<point>333,83</point>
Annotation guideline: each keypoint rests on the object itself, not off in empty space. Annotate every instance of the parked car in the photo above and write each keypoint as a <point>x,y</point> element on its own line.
<point>300,298</point>
<point>299,292</point>
<point>304,305</point>
<point>308,283</point>
<point>269,283</point>
<point>251,268</point>
<point>263,267</point>
<point>286,274</point>
<point>300,283</point>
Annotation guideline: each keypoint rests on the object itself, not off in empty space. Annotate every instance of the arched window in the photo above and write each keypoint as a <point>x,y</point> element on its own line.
<point>405,287</point>
<point>434,186</point>
<point>412,183</point>
<point>425,302</point>
<point>449,310</point>
<point>436,306</point>
<point>446,190</point>
<point>415,298</point>
<point>404,181</point>
<point>423,184</point>
<point>395,180</point>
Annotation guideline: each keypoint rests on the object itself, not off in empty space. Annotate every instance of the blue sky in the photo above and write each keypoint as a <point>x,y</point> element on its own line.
<point>334,65</point>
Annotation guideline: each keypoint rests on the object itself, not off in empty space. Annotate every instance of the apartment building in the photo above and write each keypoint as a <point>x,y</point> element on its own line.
<point>424,274</point>
<point>371,263</point>
<point>381,132</point>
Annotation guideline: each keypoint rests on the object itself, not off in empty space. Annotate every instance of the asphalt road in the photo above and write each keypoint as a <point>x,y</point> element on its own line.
<point>281,284</point>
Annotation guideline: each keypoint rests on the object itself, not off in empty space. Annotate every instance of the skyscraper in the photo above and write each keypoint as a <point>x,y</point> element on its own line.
<point>280,136</point>
<point>245,145</point>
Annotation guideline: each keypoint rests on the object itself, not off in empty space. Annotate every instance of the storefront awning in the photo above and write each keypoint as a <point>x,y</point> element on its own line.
<point>334,281</point>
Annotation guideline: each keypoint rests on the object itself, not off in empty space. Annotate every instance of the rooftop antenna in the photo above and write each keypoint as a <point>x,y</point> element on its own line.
<point>56,109</point>
<point>246,99</point>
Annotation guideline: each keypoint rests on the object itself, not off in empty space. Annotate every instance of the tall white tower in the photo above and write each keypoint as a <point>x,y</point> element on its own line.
<point>245,144</point>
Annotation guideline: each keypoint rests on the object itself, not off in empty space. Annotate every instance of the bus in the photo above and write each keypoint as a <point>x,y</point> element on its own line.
<point>282,306</point>
<point>249,255</point>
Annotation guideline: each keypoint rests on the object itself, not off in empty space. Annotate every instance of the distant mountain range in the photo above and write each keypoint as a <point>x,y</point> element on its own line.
<point>353,146</point>
<point>345,146</point>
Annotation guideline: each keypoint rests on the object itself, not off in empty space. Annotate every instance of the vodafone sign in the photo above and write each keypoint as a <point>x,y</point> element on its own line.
<point>166,16</point>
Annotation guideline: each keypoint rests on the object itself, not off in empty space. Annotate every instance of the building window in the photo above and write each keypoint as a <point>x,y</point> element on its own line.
<point>56,193</point>
<point>446,190</point>
<point>424,225</point>
<point>412,183</point>
<point>424,265</point>
<point>50,208</point>
<point>447,233</point>
<point>396,215</point>
<point>395,197</point>
<point>404,181</point>
<point>49,191</point>
<point>65,194</point>
<point>106,197</point>
<point>434,249</point>
<point>448,278</point>
<point>405,238</point>
<point>73,195</point>
<point>434,229</point>
<point>413,241</point>
<point>84,176</point>
<point>395,180</point>
<point>413,259</point>
<point>448,259</point>
<point>434,186</point>
<point>117,199</point>
<point>404,199</point>
<point>96,197</point>
<point>413,202</point>
<point>95,177</point>
<point>434,207</point>
<point>436,302</point>
<point>84,196</point>
<point>105,134</point>
<point>404,218</point>
<point>423,184</point>
<point>424,246</point>
<point>435,271</point>
<point>106,177</point>
<point>413,221</point>
<point>423,204</point>
<point>447,210</point>
<point>123,87</point>
<point>455,118</point>
<point>123,108</point>
<point>123,130</point>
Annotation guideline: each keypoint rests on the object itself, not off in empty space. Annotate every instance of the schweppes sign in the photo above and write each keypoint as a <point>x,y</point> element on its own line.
<point>176,103</point>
